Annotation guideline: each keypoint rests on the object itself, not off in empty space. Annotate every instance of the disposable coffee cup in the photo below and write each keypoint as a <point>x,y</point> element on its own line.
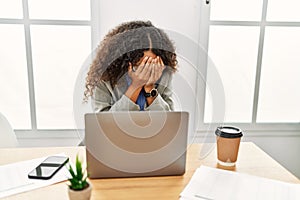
<point>228,142</point>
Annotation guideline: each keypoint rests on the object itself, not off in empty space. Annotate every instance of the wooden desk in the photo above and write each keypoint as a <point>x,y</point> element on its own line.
<point>251,160</point>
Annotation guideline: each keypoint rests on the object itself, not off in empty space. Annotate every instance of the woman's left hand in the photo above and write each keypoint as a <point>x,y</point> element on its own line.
<point>157,67</point>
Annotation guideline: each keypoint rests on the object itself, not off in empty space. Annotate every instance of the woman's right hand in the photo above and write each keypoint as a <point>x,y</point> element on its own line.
<point>141,75</point>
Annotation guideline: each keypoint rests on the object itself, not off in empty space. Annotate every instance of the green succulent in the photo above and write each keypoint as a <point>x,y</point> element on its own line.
<point>79,176</point>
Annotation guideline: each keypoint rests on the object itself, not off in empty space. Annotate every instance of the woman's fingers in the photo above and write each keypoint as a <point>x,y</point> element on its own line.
<point>142,74</point>
<point>146,68</point>
<point>142,64</point>
<point>148,72</point>
<point>161,63</point>
<point>152,79</point>
<point>154,72</point>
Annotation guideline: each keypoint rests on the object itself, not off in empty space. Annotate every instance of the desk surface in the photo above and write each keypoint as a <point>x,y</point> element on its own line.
<point>251,160</point>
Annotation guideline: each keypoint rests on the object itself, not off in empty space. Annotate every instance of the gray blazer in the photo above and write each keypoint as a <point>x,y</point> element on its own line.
<point>107,99</point>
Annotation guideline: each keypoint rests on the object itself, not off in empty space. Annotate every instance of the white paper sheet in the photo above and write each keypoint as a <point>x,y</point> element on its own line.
<point>216,184</point>
<point>14,177</point>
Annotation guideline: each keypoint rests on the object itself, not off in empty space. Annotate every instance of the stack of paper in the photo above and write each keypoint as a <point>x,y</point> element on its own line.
<point>216,184</point>
<point>14,177</point>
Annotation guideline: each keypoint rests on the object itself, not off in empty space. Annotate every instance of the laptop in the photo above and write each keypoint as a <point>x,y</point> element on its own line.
<point>136,144</point>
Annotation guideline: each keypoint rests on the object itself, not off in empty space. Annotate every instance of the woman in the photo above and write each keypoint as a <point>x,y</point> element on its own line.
<point>132,69</point>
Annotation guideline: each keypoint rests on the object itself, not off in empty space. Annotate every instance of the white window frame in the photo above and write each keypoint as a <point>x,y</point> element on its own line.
<point>254,128</point>
<point>34,132</point>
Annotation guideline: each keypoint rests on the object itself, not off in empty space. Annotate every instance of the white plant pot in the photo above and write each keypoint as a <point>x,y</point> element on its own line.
<point>80,194</point>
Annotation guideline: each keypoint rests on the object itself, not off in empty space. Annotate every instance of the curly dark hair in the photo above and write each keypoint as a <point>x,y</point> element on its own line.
<point>127,43</point>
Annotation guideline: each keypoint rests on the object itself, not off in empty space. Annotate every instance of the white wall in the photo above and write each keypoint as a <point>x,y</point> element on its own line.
<point>284,150</point>
<point>180,19</point>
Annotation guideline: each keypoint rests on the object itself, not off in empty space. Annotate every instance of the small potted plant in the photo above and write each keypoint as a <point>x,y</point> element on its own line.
<point>79,188</point>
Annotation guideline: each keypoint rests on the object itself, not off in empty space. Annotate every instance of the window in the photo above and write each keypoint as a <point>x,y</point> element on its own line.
<point>11,9</point>
<point>43,44</point>
<point>279,88</point>
<point>14,101</point>
<point>60,55</point>
<point>254,46</point>
<point>235,64</point>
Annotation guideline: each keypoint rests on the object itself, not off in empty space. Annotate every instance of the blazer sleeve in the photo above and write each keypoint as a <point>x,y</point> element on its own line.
<point>164,99</point>
<point>102,100</point>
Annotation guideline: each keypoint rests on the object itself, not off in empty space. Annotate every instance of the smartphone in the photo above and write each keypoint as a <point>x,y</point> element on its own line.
<point>48,167</point>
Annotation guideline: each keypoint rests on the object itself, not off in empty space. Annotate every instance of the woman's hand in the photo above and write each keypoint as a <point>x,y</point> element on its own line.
<point>157,67</point>
<point>147,73</point>
<point>141,74</point>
